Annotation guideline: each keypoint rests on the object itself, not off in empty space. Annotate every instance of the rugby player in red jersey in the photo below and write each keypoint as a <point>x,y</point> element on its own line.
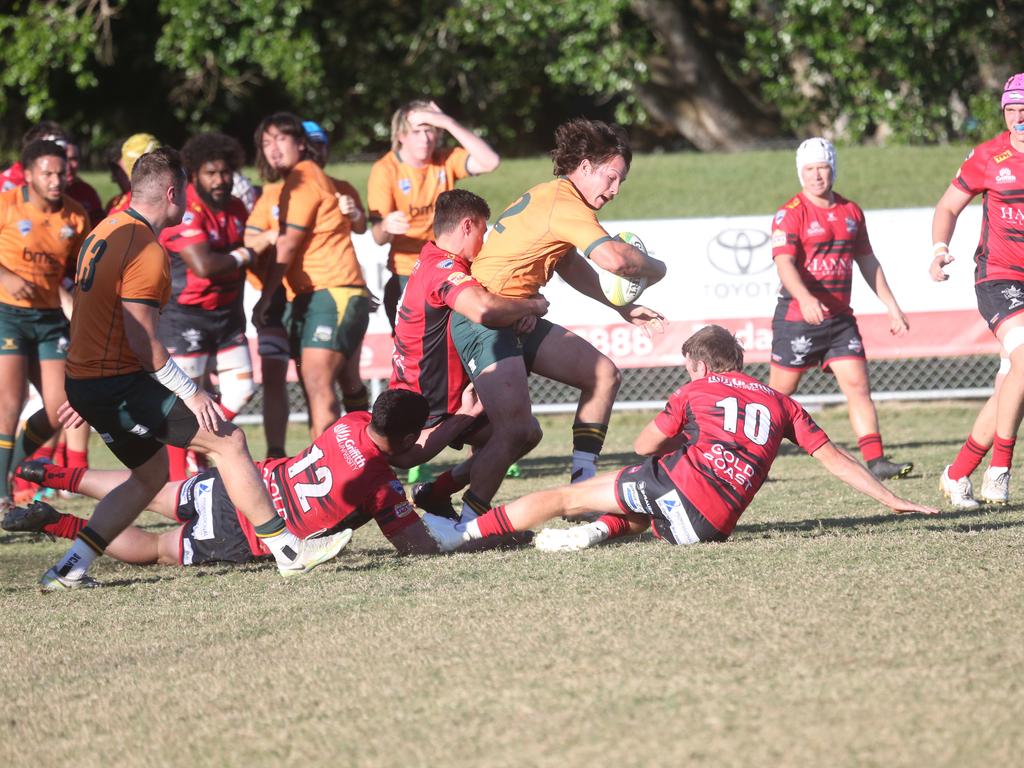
<point>203,325</point>
<point>817,237</point>
<point>342,481</point>
<point>78,188</point>
<point>994,170</point>
<point>425,359</point>
<point>710,450</point>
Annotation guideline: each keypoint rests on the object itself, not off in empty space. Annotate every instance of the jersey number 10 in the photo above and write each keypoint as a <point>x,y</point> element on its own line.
<point>757,419</point>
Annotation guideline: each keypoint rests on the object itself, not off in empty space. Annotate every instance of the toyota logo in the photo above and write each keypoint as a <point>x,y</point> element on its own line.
<point>740,251</point>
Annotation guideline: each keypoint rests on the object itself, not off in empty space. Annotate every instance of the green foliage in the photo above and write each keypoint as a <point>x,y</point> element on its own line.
<point>861,66</point>
<point>40,42</point>
<point>220,49</point>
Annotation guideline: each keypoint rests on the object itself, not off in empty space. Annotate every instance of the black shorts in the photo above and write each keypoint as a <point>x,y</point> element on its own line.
<point>393,290</point>
<point>193,338</point>
<point>999,300</point>
<point>646,489</point>
<point>211,532</point>
<point>799,345</point>
<point>134,415</point>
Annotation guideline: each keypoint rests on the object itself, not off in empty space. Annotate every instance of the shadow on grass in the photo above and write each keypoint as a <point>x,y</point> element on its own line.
<point>824,523</point>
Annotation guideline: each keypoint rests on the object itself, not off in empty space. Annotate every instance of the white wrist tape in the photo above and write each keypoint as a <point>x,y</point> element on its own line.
<point>936,247</point>
<point>175,379</point>
<point>242,256</point>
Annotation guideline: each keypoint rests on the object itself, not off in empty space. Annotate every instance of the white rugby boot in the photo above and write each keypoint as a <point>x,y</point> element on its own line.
<point>570,539</point>
<point>995,485</point>
<point>959,492</point>
<point>54,582</point>
<point>448,534</point>
<point>314,552</point>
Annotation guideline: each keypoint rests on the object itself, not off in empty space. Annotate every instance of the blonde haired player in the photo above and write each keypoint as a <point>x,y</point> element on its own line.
<point>405,183</point>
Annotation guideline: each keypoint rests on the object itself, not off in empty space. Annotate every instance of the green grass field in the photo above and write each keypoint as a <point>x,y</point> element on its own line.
<point>825,633</point>
<point>715,184</point>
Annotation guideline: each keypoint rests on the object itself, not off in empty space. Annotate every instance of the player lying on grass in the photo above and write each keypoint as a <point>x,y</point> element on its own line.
<point>340,482</point>
<point>710,450</point>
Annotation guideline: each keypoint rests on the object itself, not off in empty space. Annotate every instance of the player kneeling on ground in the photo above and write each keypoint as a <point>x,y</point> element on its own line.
<point>710,450</point>
<point>339,483</point>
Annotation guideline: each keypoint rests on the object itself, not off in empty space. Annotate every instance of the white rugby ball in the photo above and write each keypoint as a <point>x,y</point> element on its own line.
<point>619,290</point>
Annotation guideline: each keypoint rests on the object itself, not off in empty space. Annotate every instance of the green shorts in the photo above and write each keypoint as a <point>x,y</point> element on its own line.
<point>480,347</point>
<point>331,318</point>
<point>134,414</point>
<point>38,333</point>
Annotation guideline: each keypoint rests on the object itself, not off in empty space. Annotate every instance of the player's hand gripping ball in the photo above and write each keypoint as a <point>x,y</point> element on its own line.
<point>619,290</point>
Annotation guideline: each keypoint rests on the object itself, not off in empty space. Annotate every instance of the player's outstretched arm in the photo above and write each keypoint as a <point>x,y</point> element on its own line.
<point>140,330</point>
<point>627,261</point>
<point>486,308</point>
<point>857,476</point>
<point>947,210</point>
<point>575,270</point>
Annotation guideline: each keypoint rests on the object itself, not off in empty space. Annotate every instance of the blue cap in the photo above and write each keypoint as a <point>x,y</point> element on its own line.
<point>314,132</point>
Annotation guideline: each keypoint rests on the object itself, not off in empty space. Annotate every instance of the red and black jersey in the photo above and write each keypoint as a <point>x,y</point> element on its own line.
<point>341,481</point>
<point>12,178</point>
<point>83,192</point>
<point>425,359</point>
<point>222,231</point>
<point>733,425</point>
<point>119,203</point>
<point>996,171</point>
<point>825,242</point>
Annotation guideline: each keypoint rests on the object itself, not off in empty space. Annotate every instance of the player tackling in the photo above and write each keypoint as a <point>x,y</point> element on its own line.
<point>709,452</point>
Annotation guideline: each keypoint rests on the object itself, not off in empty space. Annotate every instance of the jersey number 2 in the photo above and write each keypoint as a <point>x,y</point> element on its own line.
<point>317,490</point>
<point>757,419</point>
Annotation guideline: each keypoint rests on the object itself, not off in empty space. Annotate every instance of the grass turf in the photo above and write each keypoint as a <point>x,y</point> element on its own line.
<point>677,185</point>
<point>824,632</point>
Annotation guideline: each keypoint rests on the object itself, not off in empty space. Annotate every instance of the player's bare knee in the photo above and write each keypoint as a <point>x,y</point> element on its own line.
<point>608,377</point>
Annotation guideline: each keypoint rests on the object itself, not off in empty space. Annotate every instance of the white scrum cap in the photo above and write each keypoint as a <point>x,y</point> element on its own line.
<point>816,150</point>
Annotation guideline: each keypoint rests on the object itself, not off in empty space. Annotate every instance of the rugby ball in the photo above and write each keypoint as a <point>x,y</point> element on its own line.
<point>619,290</point>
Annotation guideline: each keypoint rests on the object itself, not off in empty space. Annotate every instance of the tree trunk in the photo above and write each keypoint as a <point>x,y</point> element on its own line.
<point>689,90</point>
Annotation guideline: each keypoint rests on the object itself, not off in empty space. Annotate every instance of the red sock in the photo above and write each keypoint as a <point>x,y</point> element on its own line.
<point>1002,452</point>
<point>63,478</point>
<point>44,453</point>
<point>77,459</point>
<point>177,463</point>
<point>67,527</point>
<point>61,456</point>
<point>870,446</point>
<point>494,523</point>
<point>229,415</point>
<point>970,456</point>
<point>617,525</point>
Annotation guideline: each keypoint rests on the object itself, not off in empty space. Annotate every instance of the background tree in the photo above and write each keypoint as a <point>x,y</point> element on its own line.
<point>708,74</point>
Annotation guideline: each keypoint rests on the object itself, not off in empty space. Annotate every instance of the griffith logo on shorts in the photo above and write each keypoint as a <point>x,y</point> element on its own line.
<point>801,346</point>
<point>1013,295</point>
<point>855,345</point>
